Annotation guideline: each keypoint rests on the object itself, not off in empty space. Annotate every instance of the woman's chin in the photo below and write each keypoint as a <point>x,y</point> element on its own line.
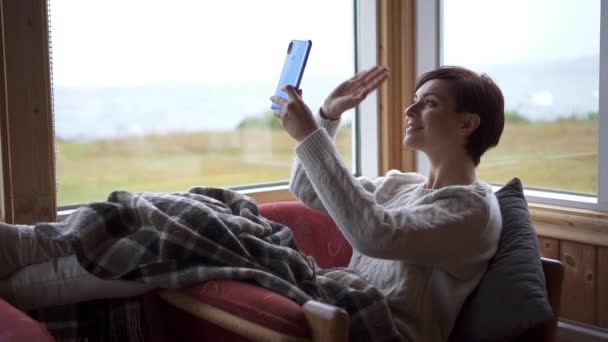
<point>410,142</point>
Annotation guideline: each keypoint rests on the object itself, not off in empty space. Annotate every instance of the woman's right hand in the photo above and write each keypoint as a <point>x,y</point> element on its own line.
<point>352,91</point>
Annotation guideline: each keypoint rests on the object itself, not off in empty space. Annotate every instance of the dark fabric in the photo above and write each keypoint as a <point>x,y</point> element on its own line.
<point>93,320</point>
<point>176,240</point>
<point>511,297</point>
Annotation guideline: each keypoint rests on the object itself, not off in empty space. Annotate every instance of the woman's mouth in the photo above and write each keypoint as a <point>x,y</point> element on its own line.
<point>413,128</point>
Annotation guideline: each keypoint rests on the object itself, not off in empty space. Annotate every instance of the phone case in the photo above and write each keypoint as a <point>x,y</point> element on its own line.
<point>293,68</point>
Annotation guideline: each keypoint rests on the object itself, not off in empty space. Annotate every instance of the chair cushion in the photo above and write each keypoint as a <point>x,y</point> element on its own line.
<point>315,232</point>
<point>16,326</point>
<point>511,297</point>
<point>254,304</point>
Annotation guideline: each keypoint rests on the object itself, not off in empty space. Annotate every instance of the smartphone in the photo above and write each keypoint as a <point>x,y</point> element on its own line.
<point>293,68</point>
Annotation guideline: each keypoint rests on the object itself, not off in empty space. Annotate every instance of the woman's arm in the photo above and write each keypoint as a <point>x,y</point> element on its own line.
<point>300,185</point>
<point>452,228</point>
<point>299,122</point>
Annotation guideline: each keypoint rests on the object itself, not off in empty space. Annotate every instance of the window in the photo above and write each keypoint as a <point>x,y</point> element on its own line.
<point>150,97</point>
<point>545,56</point>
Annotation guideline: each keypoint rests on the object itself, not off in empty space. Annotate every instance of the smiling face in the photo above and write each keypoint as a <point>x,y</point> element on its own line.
<point>433,125</point>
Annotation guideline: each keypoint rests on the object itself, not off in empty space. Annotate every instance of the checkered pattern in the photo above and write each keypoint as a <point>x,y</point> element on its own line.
<point>174,240</point>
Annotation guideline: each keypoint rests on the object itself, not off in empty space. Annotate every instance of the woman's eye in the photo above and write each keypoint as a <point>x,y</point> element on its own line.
<point>429,102</point>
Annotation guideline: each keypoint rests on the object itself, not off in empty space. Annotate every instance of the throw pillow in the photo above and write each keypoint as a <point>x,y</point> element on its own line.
<point>511,297</point>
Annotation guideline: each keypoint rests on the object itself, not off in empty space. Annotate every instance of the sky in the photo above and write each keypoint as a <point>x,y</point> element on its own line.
<point>507,31</point>
<point>133,42</point>
<point>120,42</point>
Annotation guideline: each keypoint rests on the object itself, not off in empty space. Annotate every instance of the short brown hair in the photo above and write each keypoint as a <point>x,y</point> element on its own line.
<point>477,94</point>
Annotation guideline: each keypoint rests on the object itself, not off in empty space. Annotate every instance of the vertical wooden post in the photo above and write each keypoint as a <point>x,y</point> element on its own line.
<point>602,287</point>
<point>578,300</point>
<point>397,51</point>
<point>26,124</point>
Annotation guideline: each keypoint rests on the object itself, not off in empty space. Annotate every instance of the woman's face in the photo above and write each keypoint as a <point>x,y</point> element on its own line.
<point>432,123</point>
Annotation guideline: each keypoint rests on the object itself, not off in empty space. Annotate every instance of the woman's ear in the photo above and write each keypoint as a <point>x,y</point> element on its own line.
<point>470,122</point>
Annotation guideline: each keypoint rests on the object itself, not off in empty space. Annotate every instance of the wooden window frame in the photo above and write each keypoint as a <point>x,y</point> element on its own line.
<point>26,124</point>
<point>396,50</point>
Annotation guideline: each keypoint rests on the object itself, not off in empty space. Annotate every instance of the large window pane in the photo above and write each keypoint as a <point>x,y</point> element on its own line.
<point>544,54</point>
<point>163,96</point>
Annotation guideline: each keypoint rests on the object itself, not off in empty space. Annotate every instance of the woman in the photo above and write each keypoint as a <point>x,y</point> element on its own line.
<point>424,242</point>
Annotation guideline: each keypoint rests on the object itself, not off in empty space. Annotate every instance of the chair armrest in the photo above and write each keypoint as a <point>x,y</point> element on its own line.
<point>16,326</point>
<point>554,279</point>
<point>327,322</point>
<point>257,313</point>
<point>241,307</point>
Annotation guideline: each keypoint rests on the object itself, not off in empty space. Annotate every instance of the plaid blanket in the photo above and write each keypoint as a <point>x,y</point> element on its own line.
<point>174,240</point>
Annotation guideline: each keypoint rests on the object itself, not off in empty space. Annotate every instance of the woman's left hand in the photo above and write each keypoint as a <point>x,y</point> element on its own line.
<point>296,118</point>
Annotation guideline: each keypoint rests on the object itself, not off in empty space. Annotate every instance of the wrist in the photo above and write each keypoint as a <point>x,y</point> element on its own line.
<point>306,134</point>
<point>325,116</point>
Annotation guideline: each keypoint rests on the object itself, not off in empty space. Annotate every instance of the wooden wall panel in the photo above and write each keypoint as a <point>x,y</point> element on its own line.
<point>602,287</point>
<point>578,296</point>
<point>549,248</point>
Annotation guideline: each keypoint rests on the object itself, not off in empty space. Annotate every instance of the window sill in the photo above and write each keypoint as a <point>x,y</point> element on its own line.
<point>559,222</point>
<point>571,224</point>
<point>270,194</point>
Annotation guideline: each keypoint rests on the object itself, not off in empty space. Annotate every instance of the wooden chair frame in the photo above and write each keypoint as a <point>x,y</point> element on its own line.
<point>327,322</point>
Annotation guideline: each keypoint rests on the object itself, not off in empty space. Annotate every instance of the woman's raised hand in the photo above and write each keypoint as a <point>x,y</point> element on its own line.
<point>296,118</point>
<point>352,91</point>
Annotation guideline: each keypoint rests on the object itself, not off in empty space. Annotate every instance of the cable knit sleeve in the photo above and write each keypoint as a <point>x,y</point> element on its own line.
<point>299,183</point>
<point>454,226</point>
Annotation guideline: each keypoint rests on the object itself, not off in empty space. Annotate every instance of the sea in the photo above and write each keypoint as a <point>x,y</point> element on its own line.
<point>539,91</point>
<point>87,112</point>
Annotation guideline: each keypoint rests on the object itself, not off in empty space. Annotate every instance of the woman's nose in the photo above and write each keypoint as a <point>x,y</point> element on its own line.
<point>410,110</point>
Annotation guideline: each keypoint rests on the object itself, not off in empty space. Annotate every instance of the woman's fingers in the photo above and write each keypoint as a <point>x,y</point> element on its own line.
<point>376,73</point>
<point>370,73</point>
<point>371,84</point>
<point>363,74</point>
<point>354,83</point>
<point>291,92</point>
<point>278,100</point>
<point>377,79</point>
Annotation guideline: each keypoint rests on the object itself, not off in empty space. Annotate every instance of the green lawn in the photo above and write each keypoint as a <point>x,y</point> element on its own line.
<point>561,155</point>
<point>90,171</point>
<point>557,155</point>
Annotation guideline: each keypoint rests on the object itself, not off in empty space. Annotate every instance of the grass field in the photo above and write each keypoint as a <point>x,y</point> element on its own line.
<point>557,155</point>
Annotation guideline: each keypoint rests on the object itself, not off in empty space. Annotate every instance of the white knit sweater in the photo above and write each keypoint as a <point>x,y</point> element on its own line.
<point>425,249</point>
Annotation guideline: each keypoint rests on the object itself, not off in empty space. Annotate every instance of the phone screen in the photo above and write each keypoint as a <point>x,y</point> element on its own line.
<point>293,68</point>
